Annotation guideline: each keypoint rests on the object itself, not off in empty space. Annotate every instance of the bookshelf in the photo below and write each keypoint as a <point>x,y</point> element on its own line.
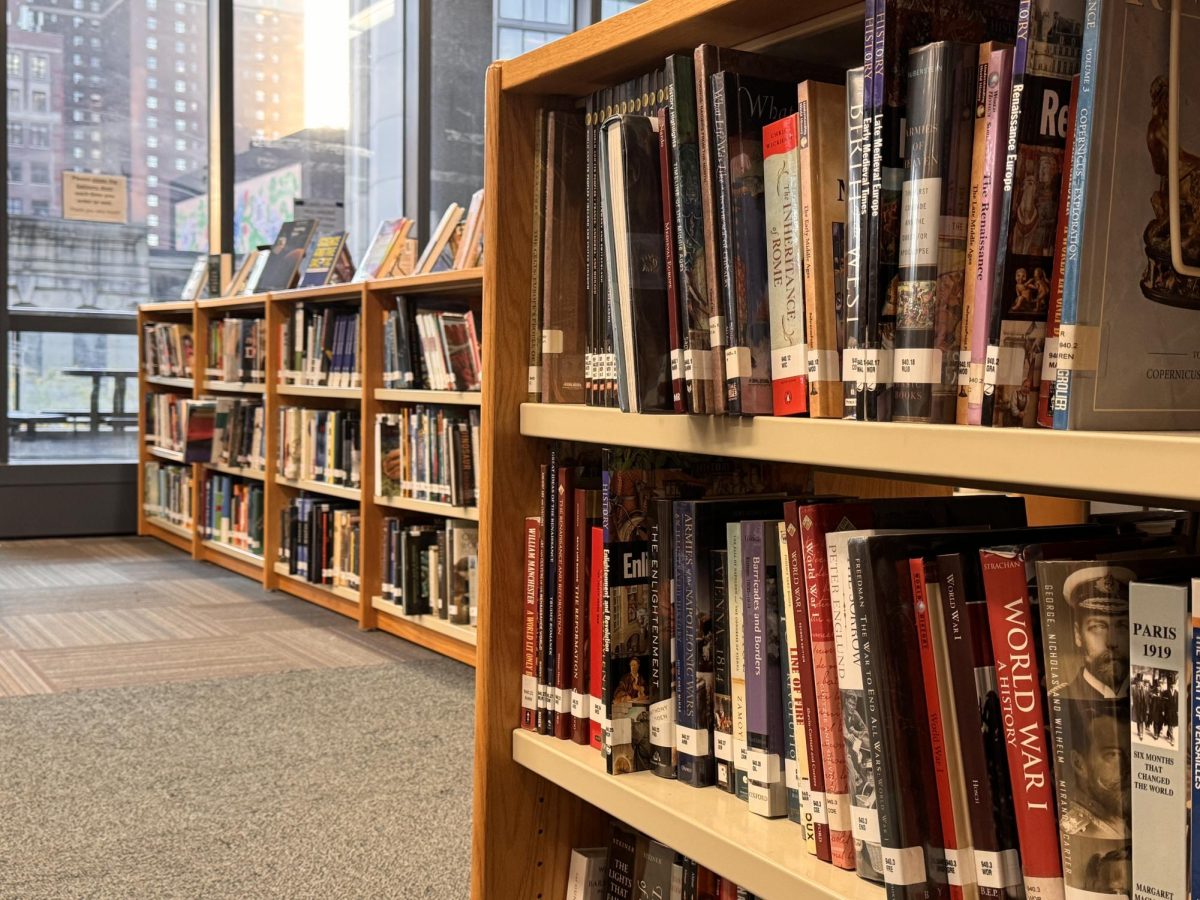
<point>364,607</point>
<point>536,797</point>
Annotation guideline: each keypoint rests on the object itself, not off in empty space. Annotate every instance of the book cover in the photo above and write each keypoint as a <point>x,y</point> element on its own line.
<point>379,249</point>
<point>195,279</point>
<point>661,558</point>
<point>586,516</point>
<point>734,584</point>
<point>857,141</point>
<point>439,240</point>
<point>282,266</point>
<point>585,878</point>
<point>934,206</point>
<point>827,199</point>
<point>674,316</point>
<point>785,266</point>
<point>564,592</point>
<point>597,708</point>
<point>1159,739</point>
<point>1127,347</point>
<point>529,679</point>
<point>534,349</point>
<point>620,878</point>
<point>323,259</point>
<point>722,722</point>
<point>1194,719</point>
<point>1046,55</point>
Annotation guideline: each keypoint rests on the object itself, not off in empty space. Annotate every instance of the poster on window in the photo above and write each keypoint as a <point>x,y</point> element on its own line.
<point>88,197</point>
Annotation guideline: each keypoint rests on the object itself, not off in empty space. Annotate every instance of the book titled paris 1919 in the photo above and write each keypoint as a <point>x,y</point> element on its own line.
<point>1129,341</point>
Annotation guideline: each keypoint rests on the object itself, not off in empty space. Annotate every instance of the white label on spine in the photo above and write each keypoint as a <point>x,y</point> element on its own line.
<point>1005,367</point>
<point>764,766</point>
<point>917,366</point>
<point>723,748</point>
<point>621,731</point>
<point>1050,359</point>
<point>788,362</point>
<point>877,368</point>
<point>953,870</point>
<point>535,380</point>
<point>997,869</point>
<point>1043,888</point>
<point>562,700</point>
<point>692,741</point>
<point>1078,347</point>
<point>676,365</point>
<point>820,807</point>
<point>552,340</point>
<point>975,385</point>
<point>903,865</point>
<point>578,705</point>
<point>837,806</point>
<point>791,775</point>
<point>866,823</point>
<point>529,692</point>
<point>716,331</point>
<point>737,362</point>
<point>852,367</point>
<point>698,364</point>
<point>920,221</point>
<point>662,722</point>
<point>823,365</point>
<point>597,707</point>
<point>964,368</point>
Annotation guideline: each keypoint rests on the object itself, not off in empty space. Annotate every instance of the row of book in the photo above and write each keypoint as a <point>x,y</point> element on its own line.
<point>942,235</point>
<point>432,569</point>
<point>166,418</point>
<point>431,346</point>
<point>302,256</point>
<point>321,541</point>
<point>220,430</point>
<point>319,346</point>
<point>167,349</point>
<point>238,433</point>
<point>820,657</point>
<point>428,453</point>
<point>167,492</point>
<point>320,445</point>
<point>634,866</point>
<point>237,349</point>
<point>231,512</point>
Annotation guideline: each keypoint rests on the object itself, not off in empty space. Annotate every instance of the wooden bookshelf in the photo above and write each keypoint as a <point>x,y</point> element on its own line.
<point>434,508</point>
<point>457,642</point>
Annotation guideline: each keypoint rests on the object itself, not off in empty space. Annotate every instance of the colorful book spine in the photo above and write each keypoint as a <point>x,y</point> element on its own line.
<point>529,678</point>
<point>694,666</point>
<point>737,657</point>
<point>1194,736</point>
<point>564,592</point>
<point>722,674</point>
<point>847,324</point>
<point>596,708</point>
<point>663,757</point>
<point>580,593</point>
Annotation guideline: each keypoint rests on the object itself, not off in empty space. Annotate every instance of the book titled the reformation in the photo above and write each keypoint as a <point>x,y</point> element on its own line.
<point>1045,57</point>
<point>934,206</point>
<point>1129,341</point>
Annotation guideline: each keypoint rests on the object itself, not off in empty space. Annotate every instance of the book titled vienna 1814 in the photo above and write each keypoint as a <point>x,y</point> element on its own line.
<point>935,202</point>
<point>1160,740</point>
<point>290,247</point>
<point>1129,341</point>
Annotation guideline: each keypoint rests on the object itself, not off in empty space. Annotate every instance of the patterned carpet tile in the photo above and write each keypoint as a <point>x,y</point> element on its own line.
<point>44,631</point>
<point>320,648</point>
<point>18,678</point>
<point>57,574</point>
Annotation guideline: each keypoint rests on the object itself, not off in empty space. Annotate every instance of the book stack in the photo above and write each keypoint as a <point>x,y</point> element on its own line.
<point>938,236</point>
<point>237,350</point>
<point>167,421</point>
<point>819,657</point>
<point>432,569</point>
<point>428,453</point>
<point>167,349</point>
<point>322,445</point>
<point>238,438</point>
<point>168,492</point>
<point>231,512</point>
<point>431,347</point>
<point>320,541</point>
<point>320,347</point>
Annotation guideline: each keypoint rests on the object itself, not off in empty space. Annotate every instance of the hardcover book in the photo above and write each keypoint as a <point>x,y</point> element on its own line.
<point>664,756</point>
<point>1128,343</point>
<point>534,348</point>
<point>674,314</point>
<point>195,279</point>
<point>282,266</point>
<point>722,724</point>
<point>857,141</point>
<point>324,257</point>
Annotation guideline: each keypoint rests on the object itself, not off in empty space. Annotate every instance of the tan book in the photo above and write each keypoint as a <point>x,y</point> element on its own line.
<point>470,227</point>
<point>822,112</point>
<point>475,250</point>
<point>239,279</point>
<point>440,238</point>
<point>400,246</point>
<point>406,258</point>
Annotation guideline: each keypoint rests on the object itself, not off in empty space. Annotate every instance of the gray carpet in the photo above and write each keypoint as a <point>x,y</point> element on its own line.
<point>343,783</point>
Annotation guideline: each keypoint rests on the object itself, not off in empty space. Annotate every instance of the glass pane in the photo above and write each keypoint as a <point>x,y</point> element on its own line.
<point>558,12</point>
<point>612,7</point>
<point>72,396</point>
<point>512,9</point>
<point>534,39</point>
<point>510,43</point>
<point>535,10</point>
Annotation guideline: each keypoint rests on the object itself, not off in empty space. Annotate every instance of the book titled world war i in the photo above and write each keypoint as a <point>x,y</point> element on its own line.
<point>1129,342</point>
<point>935,203</point>
<point>1159,737</point>
<point>287,253</point>
<point>1046,55</point>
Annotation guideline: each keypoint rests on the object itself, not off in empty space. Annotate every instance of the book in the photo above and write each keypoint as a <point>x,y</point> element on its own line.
<point>383,247</point>
<point>529,678</point>
<point>597,708</point>
<point>1126,348</point>
<point>785,266</point>
<point>1029,203</point>
<point>674,315</point>
<point>585,877</point>
<point>857,143</point>
<point>987,171</point>
<point>261,257</point>
<point>238,283</point>
<point>664,756</point>
<point>438,241</point>
<point>722,724</point>
<point>934,205</point>
<point>472,237</point>
<point>534,349</point>
<point>621,877</point>
<point>195,280</point>
<point>564,592</point>
<point>324,259</point>
<point>586,510</point>
<point>1159,738</point>
<point>563,302</point>
<point>1194,659</point>
<point>282,267</point>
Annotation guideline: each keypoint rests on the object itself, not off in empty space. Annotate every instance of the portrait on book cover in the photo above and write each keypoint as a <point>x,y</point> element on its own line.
<point>1095,664</point>
<point>861,770</point>
<point>1035,203</point>
<point>1154,708</point>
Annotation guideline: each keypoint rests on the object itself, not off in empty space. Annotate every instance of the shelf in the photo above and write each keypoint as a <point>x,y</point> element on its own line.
<point>320,487</point>
<point>461,398</point>
<point>462,280</point>
<point>314,390</point>
<point>252,474</point>
<point>170,381</point>
<point>470,513</point>
<point>236,552</point>
<point>765,856</point>
<point>329,292</point>
<point>1156,468</point>
<point>236,387</point>
<point>235,302</point>
<point>168,306</point>
<point>340,599</point>
<point>465,633</point>
<point>168,526</point>
<point>429,632</point>
<point>164,453</point>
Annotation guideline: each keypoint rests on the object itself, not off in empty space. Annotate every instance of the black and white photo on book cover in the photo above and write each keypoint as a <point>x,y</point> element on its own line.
<point>1154,707</point>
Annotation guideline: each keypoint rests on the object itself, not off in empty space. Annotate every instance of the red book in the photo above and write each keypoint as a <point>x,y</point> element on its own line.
<point>806,701</point>
<point>814,522</point>
<point>942,743</point>
<point>529,657</point>
<point>564,570</point>
<point>675,335</point>
<point>1014,643</point>
<point>596,644</point>
<point>580,584</point>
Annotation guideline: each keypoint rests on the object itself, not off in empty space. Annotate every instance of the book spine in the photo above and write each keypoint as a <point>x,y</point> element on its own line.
<point>675,337</point>
<point>1158,623</point>
<point>1194,736</point>
<point>580,584</point>
<point>826,694</point>
<point>606,652</point>
<point>705,63</point>
<point>663,757</point>
<point>694,673</point>
<point>722,723</point>
<point>724,245</point>
<point>1018,676</point>
<point>596,624</point>
<point>529,673</point>
<point>879,323</point>
<point>767,794</point>
<point>737,657</point>
<point>785,263</point>
<point>564,518</point>
<point>848,332</point>
<point>1046,390</point>
<point>589,249</point>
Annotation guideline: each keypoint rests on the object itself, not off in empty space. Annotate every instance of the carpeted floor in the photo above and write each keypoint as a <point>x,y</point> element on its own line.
<point>325,764</point>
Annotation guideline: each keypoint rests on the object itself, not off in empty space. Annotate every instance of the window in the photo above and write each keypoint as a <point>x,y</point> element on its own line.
<point>151,103</point>
<point>180,27</point>
<point>39,173</point>
<point>41,207</point>
<point>152,141</point>
<point>151,42</point>
<point>14,62</point>
<point>151,181</point>
<point>180,144</point>
<point>151,5</point>
<point>151,83</point>
<point>39,101</point>
<point>181,125</point>
<point>15,206</point>
<point>16,134</point>
<point>152,220</point>
<point>152,161</point>
<point>151,122</point>
<point>152,200</point>
<point>152,240</point>
<point>151,23</point>
<point>151,62</point>
<point>181,165</point>
<point>39,68</point>
<point>39,135</point>
<point>180,86</point>
<point>15,172</point>
<point>14,100</point>
<point>180,106</point>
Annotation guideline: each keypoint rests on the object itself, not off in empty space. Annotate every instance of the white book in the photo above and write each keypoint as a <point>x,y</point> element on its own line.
<point>585,879</point>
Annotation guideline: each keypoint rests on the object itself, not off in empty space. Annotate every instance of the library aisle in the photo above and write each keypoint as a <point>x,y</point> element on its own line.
<point>169,729</point>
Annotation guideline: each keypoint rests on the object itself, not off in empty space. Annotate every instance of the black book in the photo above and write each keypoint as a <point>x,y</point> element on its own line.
<point>287,253</point>
<point>620,879</point>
